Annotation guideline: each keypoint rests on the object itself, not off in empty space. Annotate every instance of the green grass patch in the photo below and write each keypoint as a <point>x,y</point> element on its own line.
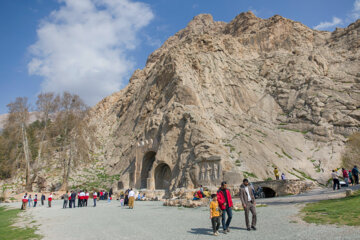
<point>238,163</point>
<point>304,175</point>
<point>9,232</point>
<point>279,155</point>
<point>249,174</point>
<point>344,211</point>
<point>263,134</point>
<point>293,130</point>
<point>232,148</point>
<point>299,177</point>
<point>298,149</point>
<point>282,150</point>
<point>268,179</point>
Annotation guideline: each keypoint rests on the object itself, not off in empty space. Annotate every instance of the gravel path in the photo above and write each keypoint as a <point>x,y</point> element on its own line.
<point>150,220</point>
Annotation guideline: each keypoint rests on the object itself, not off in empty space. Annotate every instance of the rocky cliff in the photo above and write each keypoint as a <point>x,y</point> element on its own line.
<point>231,100</point>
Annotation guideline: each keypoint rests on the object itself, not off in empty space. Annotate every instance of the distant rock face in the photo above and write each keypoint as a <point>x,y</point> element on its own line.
<point>223,101</point>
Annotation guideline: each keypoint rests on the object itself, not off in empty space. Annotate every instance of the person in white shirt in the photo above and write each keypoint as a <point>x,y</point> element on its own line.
<point>335,178</point>
<point>248,201</point>
<point>24,201</point>
<point>95,198</point>
<point>82,198</point>
<point>86,198</point>
<point>131,198</point>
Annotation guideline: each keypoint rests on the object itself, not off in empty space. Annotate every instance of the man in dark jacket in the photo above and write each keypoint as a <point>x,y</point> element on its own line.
<point>225,204</point>
<point>42,199</point>
<point>248,201</point>
<point>73,198</point>
<point>355,173</point>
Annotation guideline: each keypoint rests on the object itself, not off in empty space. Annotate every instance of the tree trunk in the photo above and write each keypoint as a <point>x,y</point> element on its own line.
<point>38,159</point>
<point>28,186</point>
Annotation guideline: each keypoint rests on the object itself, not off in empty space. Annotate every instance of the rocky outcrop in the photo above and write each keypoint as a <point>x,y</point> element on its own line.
<point>223,101</point>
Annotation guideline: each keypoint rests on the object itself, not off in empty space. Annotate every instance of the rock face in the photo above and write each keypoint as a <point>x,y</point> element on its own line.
<point>223,101</point>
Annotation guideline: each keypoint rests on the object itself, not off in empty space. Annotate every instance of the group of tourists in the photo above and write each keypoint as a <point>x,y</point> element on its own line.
<point>27,200</point>
<point>221,207</point>
<point>349,176</point>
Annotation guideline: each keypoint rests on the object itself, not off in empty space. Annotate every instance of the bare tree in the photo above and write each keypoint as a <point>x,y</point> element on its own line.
<point>70,120</point>
<point>19,116</point>
<point>47,104</point>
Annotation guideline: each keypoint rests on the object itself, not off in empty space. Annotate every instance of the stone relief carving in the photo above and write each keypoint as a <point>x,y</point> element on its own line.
<point>209,171</point>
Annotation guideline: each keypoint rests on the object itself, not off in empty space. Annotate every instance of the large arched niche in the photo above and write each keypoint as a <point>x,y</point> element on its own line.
<point>147,165</point>
<point>162,176</point>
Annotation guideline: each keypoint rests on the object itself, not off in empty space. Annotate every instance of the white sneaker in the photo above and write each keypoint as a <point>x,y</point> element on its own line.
<point>216,233</point>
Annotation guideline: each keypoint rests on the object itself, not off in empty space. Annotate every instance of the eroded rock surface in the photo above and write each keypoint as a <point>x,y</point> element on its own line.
<point>223,101</point>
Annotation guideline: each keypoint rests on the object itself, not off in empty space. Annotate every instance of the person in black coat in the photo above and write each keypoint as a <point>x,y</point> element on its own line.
<point>73,198</point>
<point>42,199</point>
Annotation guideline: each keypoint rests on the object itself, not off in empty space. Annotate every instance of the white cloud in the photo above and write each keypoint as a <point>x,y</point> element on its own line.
<point>326,25</point>
<point>355,13</point>
<point>83,47</point>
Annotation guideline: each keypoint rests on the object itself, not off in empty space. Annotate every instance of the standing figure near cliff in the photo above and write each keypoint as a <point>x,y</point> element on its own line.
<point>24,201</point>
<point>226,204</point>
<point>276,172</point>
<point>50,199</point>
<point>355,173</point>
<point>42,199</point>
<point>35,200</point>
<point>248,202</point>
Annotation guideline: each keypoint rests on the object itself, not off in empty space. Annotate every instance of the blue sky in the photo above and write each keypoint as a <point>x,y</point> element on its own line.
<point>91,47</point>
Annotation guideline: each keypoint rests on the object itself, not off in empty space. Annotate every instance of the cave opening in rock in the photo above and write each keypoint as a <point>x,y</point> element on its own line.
<point>147,165</point>
<point>269,193</point>
<point>162,176</point>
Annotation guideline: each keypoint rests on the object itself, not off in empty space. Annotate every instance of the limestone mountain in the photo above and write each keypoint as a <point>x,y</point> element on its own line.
<point>231,100</point>
<point>223,101</point>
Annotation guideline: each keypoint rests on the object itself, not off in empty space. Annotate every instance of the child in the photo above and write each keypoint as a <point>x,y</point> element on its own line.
<point>50,199</point>
<point>121,202</point>
<point>215,214</point>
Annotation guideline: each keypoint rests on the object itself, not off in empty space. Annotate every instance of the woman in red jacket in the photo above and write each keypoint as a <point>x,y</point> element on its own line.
<point>225,204</point>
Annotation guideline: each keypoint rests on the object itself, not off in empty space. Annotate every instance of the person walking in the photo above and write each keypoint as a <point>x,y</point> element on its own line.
<point>248,202</point>
<point>355,173</point>
<point>351,179</point>
<point>335,178</point>
<point>50,199</point>
<point>131,198</point>
<point>82,198</point>
<point>101,195</point>
<point>215,214</point>
<point>35,200</point>
<point>29,200</point>
<point>42,199</point>
<point>86,198</point>
<point>73,198</point>
<point>66,197</point>
<point>276,172</point>
<point>79,199</point>
<point>69,198</point>
<point>24,201</point>
<point>95,198</point>
<point>226,204</point>
<point>345,176</point>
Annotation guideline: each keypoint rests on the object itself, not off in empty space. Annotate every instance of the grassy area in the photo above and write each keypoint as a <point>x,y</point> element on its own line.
<point>343,211</point>
<point>7,231</point>
<point>304,175</point>
<point>249,174</point>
